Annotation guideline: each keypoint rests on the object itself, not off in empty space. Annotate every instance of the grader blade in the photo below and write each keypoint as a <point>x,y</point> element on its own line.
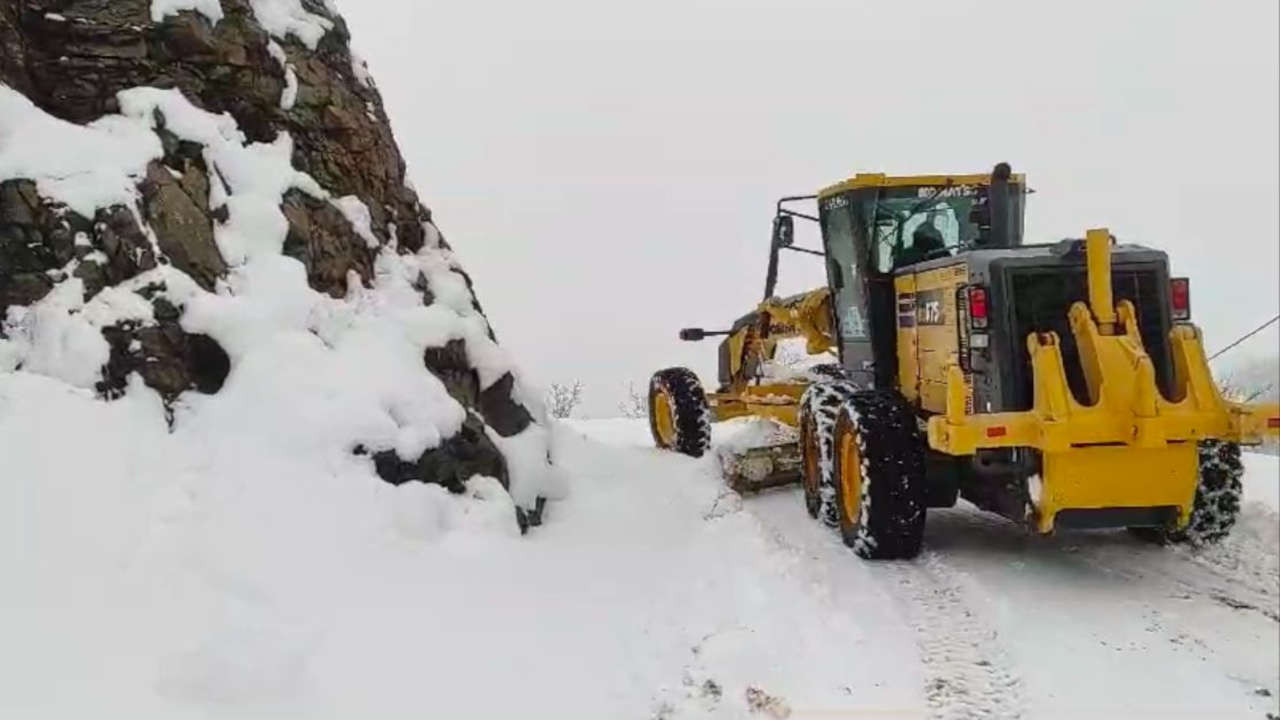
<point>758,468</point>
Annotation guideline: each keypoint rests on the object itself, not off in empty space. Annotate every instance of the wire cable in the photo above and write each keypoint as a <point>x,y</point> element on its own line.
<point>1246,336</point>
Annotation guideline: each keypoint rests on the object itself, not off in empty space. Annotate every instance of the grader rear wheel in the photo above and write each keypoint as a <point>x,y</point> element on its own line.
<point>879,470</point>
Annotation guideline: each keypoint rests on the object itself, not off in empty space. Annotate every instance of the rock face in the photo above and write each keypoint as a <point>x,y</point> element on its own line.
<point>72,58</point>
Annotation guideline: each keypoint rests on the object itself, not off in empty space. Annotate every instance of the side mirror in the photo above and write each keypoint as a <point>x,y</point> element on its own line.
<point>784,231</point>
<point>692,334</point>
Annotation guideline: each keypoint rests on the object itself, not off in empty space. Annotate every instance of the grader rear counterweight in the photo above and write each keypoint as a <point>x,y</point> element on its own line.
<point>1058,385</point>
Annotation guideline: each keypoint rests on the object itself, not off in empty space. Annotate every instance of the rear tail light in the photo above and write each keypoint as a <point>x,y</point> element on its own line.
<point>1180,298</point>
<point>977,307</point>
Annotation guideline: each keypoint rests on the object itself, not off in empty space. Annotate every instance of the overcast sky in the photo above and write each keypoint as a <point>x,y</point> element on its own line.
<point>607,171</point>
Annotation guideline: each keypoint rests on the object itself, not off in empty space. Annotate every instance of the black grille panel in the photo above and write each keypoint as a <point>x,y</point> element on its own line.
<point>1040,300</point>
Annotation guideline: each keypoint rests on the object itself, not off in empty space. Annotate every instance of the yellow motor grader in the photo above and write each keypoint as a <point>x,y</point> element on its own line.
<point>1059,385</point>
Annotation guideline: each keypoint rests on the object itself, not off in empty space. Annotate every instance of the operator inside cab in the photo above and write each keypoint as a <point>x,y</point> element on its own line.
<point>926,243</point>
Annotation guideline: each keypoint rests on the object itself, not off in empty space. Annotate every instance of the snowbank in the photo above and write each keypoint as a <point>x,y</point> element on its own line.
<point>155,571</point>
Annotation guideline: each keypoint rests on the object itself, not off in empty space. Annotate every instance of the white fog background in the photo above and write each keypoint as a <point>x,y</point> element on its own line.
<point>607,171</point>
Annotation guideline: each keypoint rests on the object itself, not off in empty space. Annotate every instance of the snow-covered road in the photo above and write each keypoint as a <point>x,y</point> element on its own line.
<point>988,622</point>
<point>231,585</point>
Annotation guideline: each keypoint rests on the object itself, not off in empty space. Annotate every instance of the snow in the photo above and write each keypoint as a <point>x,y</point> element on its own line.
<point>360,69</point>
<point>67,346</point>
<point>205,573</point>
<point>211,9</point>
<point>1262,481</point>
<point>283,18</point>
<point>738,435</point>
<point>83,166</point>
<point>357,213</point>
<point>289,97</point>
<point>251,178</point>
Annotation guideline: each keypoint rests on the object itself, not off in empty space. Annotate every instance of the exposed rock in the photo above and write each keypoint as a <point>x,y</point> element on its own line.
<point>183,229</point>
<point>128,250</point>
<point>93,275</point>
<point>503,413</point>
<point>13,54</point>
<point>449,363</point>
<point>74,69</point>
<point>322,238</point>
<point>495,404</point>
<point>24,289</point>
<point>168,359</point>
<point>468,453</point>
<point>36,239</point>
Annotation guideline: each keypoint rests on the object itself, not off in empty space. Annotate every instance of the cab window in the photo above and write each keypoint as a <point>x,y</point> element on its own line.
<point>917,225</point>
<point>842,270</point>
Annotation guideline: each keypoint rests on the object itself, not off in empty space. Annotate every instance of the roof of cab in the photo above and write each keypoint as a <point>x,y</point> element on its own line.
<point>870,180</point>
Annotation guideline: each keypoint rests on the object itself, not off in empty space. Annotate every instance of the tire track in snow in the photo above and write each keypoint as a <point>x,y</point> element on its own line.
<point>966,672</point>
<point>1239,573</point>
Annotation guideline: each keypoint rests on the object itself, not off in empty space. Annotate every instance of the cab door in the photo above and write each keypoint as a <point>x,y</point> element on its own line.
<point>908,340</point>
<point>936,330</point>
<point>849,293</point>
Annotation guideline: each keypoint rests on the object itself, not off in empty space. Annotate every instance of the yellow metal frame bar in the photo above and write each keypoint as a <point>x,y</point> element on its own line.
<point>780,402</point>
<point>870,180</point>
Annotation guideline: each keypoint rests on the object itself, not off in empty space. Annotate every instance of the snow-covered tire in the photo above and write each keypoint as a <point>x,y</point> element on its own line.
<point>819,407</point>
<point>1217,503</point>
<point>679,416</point>
<point>887,521</point>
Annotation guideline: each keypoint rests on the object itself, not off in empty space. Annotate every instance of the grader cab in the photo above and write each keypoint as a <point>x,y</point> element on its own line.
<point>1059,385</point>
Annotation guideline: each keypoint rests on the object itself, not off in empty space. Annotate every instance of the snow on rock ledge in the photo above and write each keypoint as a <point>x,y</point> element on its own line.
<point>247,251</point>
<point>161,9</point>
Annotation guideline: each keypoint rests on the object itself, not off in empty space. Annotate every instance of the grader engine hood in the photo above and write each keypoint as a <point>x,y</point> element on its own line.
<point>1031,290</point>
<point>1085,389</point>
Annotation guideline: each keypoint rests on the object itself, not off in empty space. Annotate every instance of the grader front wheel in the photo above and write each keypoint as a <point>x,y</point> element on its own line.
<point>811,466</point>
<point>679,417</point>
